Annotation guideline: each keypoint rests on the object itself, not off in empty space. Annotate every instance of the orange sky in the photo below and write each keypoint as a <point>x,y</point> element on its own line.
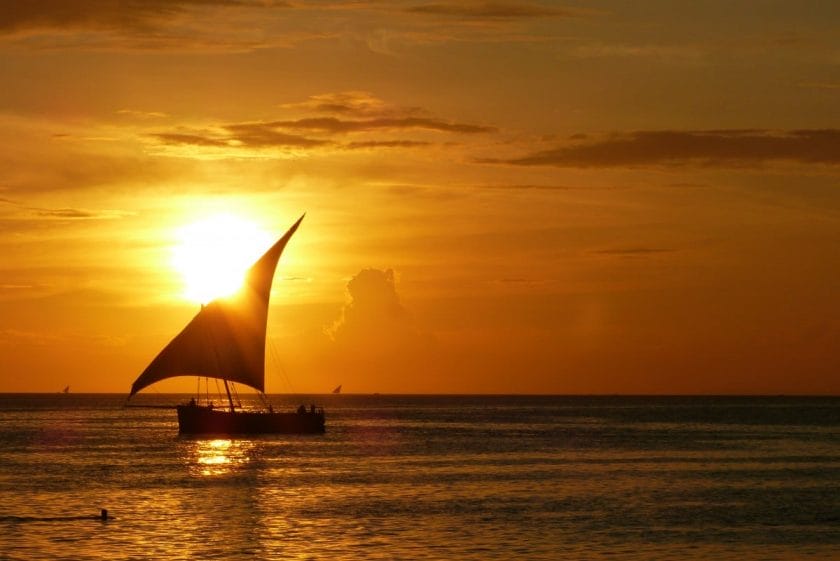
<point>527,197</point>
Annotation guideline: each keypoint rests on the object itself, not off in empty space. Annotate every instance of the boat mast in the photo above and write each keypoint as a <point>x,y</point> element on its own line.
<point>227,388</point>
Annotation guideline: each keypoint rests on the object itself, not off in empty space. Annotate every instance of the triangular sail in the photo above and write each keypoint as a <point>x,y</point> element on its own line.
<point>226,339</point>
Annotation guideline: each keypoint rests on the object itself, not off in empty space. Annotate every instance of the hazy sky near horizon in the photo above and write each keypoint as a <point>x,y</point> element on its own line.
<point>527,197</point>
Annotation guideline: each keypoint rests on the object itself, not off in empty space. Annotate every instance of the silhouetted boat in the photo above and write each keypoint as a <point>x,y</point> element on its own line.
<point>66,389</point>
<point>337,389</point>
<point>226,341</point>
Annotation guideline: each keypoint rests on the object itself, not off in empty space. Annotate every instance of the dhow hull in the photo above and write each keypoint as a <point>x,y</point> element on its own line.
<point>197,419</point>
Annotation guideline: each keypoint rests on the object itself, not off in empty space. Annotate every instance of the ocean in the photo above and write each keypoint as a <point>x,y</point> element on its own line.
<point>427,477</point>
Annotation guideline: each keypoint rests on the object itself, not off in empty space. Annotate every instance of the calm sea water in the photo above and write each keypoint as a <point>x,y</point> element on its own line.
<point>428,477</point>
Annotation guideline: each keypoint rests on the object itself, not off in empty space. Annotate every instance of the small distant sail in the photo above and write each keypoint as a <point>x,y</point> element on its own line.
<point>337,389</point>
<point>66,389</point>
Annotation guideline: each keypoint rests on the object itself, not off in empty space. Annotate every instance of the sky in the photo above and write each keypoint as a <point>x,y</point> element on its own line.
<point>601,197</point>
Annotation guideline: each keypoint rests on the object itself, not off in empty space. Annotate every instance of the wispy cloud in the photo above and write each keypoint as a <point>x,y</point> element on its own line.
<point>632,251</point>
<point>242,135</point>
<point>65,213</point>
<point>79,214</point>
<point>248,25</point>
<point>383,122</point>
<point>139,24</point>
<point>663,52</point>
<point>197,138</point>
<point>17,337</point>
<point>353,104</point>
<point>334,125</point>
<point>261,135</point>
<point>110,15</point>
<point>529,187</point>
<point>142,114</point>
<point>386,144</point>
<point>23,210</point>
<point>713,147</point>
<point>494,10</point>
<point>820,85</point>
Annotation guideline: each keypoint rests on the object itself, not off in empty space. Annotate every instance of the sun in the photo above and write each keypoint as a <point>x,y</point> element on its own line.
<point>213,254</point>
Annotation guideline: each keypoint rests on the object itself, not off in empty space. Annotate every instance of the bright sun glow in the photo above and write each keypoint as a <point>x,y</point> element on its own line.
<point>213,254</point>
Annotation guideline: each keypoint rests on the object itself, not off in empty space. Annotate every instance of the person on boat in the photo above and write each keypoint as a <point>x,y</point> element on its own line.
<point>192,402</point>
<point>312,408</point>
<point>301,410</point>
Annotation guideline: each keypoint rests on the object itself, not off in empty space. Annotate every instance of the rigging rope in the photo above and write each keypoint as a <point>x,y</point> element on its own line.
<point>235,394</point>
<point>274,355</point>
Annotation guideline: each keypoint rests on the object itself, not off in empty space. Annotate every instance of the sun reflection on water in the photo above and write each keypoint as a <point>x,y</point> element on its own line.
<point>209,458</point>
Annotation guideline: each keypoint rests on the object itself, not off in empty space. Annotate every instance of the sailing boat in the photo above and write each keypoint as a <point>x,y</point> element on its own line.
<point>337,389</point>
<point>226,341</point>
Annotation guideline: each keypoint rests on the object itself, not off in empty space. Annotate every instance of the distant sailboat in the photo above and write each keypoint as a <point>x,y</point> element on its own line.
<point>66,389</point>
<point>226,341</point>
<point>337,389</point>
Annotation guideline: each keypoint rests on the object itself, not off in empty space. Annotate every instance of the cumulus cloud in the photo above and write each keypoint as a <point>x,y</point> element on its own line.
<point>672,147</point>
<point>374,314</point>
